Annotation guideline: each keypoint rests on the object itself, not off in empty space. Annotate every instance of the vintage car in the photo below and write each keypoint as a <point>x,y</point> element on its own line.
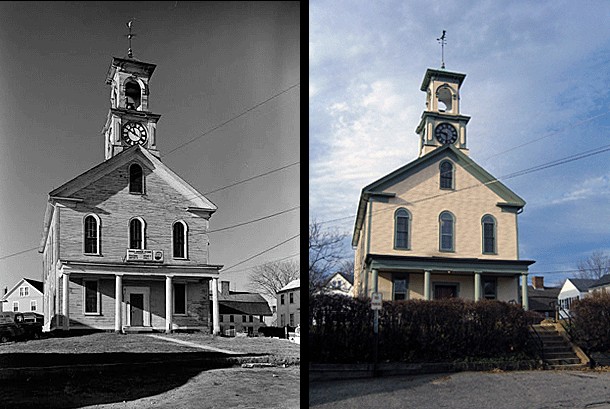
<point>13,326</point>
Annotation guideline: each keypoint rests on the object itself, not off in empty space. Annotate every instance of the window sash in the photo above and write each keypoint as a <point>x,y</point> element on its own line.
<point>488,238</point>
<point>135,179</point>
<point>91,297</point>
<point>446,232</point>
<point>402,232</point>
<point>179,240</point>
<point>135,234</point>
<point>179,298</point>
<point>490,288</point>
<point>446,181</point>
<point>90,235</point>
<point>400,289</point>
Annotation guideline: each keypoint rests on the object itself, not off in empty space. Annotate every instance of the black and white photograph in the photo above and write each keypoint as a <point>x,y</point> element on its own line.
<point>150,166</point>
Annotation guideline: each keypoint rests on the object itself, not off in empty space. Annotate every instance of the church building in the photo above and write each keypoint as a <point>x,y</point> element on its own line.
<point>440,226</point>
<point>125,244</point>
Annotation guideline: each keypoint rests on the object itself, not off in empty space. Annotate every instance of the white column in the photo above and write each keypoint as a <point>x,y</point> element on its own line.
<point>65,301</point>
<point>427,276</point>
<point>215,311</point>
<point>168,304</point>
<point>477,285</point>
<point>524,300</point>
<point>118,301</point>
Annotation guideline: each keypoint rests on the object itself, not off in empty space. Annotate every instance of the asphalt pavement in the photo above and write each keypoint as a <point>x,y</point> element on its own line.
<point>468,390</point>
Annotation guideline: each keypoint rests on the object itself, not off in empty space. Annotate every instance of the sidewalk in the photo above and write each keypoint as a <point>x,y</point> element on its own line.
<point>195,345</point>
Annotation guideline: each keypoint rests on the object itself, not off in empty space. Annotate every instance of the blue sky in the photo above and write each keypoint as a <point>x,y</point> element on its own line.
<point>537,90</point>
<point>215,60</point>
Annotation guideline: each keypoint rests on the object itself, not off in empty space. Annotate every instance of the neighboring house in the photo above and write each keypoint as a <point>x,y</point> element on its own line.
<point>573,289</point>
<point>543,299</point>
<point>440,226</point>
<point>26,295</point>
<point>339,283</point>
<point>241,311</point>
<point>289,304</point>
<point>125,244</point>
<point>601,285</point>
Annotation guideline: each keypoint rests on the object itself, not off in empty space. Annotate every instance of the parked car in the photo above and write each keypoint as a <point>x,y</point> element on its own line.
<point>17,325</point>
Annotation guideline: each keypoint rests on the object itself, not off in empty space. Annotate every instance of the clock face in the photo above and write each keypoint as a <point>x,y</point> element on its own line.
<point>134,133</point>
<point>445,133</point>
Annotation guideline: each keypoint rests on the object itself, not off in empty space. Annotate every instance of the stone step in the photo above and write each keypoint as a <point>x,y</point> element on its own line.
<point>562,361</point>
<point>568,367</point>
<point>559,355</point>
<point>558,348</point>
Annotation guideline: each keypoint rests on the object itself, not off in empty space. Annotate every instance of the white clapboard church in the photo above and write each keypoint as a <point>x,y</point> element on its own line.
<point>125,244</point>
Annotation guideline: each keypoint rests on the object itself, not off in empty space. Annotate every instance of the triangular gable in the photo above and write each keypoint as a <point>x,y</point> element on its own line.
<point>20,284</point>
<point>377,188</point>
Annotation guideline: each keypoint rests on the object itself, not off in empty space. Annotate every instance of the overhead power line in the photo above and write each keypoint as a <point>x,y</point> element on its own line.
<point>19,252</point>
<point>231,119</point>
<point>252,178</point>
<point>263,264</point>
<point>261,253</point>
<point>255,220</point>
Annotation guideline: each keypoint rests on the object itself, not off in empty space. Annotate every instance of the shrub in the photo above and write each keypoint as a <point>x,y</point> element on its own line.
<point>341,330</point>
<point>591,322</point>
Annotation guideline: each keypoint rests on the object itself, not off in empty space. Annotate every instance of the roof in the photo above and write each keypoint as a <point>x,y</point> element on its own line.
<point>582,284</point>
<point>294,284</point>
<point>243,303</point>
<point>194,200</point>
<point>348,278</point>
<point>441,74</point>
<point>542,299</point>
<point>38,285</point>
<point>378,187</point>
<point>603,280</point>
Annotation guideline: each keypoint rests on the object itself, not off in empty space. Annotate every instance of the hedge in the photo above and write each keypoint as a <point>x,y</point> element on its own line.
<point>590,327</point>
<point>341,330</point>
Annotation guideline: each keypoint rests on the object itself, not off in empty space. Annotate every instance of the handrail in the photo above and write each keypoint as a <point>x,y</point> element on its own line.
<point>562,321</point>
<point>538,340</point>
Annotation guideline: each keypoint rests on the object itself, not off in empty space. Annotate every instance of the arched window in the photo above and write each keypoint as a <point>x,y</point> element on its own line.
<point>132,95</point>
<point>179,234</point>
<point>91,234</point>
<point>136,233</point>
<point>401,229</point>
<point>136,181</point>
<point>447,226</point>
<point>446,169</point>
<point>489,234</point>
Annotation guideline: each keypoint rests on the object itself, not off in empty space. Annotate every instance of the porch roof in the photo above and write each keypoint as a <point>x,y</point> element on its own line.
<point>453,264</point>
<point>139,269</point>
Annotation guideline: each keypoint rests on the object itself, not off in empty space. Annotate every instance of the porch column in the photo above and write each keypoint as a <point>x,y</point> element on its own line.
<point>65,301</point>
<point>118,301</point>
<point>168,304</point>
<point>524,300</point>
<point>427,276</point>
<point>215,310</point>
<point>477,285</point>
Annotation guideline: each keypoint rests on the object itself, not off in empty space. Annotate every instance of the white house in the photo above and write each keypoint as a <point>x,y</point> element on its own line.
<point>573,289</point>
<point>339,283</point>
<point>602,284</point>
<point>26,295</point>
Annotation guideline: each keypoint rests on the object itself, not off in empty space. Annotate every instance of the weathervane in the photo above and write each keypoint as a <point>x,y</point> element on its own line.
<point>442,42</point>
<point>130,36</point>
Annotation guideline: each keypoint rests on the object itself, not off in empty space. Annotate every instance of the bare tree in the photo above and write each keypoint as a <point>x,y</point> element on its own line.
<point>347,268</point>
<point>595,266</point>
<point>270,277</point>
<point>325,254</point>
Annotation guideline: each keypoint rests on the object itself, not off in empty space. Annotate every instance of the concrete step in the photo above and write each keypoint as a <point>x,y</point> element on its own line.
<point>568,367</point>
<point>559,355</point>
<point>558,348</point>
<point>562,361</point>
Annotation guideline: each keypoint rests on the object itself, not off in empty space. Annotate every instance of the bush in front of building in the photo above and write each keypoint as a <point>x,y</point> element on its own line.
<point>341,330</point>
<point>590,324</point>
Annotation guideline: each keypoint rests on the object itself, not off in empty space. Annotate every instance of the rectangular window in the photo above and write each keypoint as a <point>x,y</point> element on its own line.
<point>260,318</point>
<point>282,299</point>
<point>15,306</point>
<point>231,319</point>
<point>291,298</point>
<point>24,291</point>
<point>220,318</point>
<point>292,320</point>
<point>180,298</point>
<point>490,288</point>
<point>282,320</point>
<point>91,297</point>
<point>243,318</point>
<point>400,287</point>
<point>488,238</point>
<point>33,305</point>
<point>251,318</point>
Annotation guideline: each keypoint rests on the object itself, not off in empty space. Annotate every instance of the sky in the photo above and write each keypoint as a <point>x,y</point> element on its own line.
<point>217,62</point>
<point>537,90</point>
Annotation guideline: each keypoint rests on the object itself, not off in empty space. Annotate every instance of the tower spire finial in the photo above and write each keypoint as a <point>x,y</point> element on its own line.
<point>130,36</point>
<point>442,42</point>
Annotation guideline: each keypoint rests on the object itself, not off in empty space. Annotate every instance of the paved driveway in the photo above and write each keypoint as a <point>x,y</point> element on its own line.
<point>468,390</point>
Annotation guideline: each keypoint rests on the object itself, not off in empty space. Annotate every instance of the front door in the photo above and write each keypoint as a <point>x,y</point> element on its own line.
<point>137,309</point>
<point>445,291</point>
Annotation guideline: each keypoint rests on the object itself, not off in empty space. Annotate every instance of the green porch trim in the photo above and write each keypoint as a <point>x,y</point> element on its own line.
<point>469,265</point>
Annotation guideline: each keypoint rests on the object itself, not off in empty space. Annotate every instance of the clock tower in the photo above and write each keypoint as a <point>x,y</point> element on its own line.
<point>441,123</point>
<point>129,121</point>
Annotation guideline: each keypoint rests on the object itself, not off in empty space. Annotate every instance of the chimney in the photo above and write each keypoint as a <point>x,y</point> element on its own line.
<point>224,287</point>
<point>538,282</point>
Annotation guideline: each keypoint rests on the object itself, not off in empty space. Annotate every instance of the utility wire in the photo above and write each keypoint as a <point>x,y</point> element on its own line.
<point>264,264</point>
<point>262,252</point>
<point>252,178</point>
<point>19,252</point>
<point>255,220</point>
<point>230,120</point>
